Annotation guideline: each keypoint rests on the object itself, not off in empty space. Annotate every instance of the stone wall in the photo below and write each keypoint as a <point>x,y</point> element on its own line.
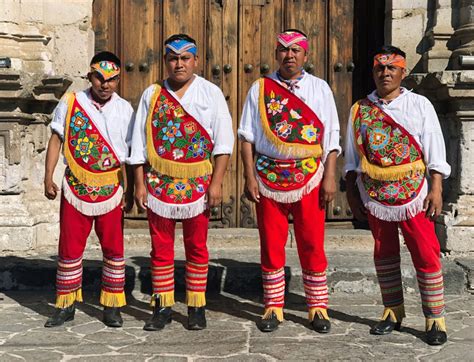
<point>50,44</point>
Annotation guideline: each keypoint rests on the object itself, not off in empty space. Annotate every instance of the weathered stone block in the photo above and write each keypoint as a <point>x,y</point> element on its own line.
<point>66,12</point>
<point>16,238</point>
<point>408,4</point>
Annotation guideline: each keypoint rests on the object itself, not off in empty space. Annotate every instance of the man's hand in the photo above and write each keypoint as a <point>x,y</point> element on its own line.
<point>251,189</point>
<point>433,203</point>
<point>50,189</point>
<point>127,201</point>
<point>327,191</point>
<point>141,197</point>
<point>214,194</point>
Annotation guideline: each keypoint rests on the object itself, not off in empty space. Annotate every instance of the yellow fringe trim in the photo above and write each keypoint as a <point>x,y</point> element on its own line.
<point>195,299</point>
<point>86,177</point>
<point>166,299</point>
<point>396,314</point>
<point>108,299</point>
<point>66,300</point>
<point>440,323</point>
<point>278,312</point>
<point>170,167</point>
<point>391,172</point>
<point>321,312</point>
<point>294,149</point>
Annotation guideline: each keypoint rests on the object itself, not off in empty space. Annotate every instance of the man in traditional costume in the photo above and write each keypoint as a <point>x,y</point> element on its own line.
<point>290,140</point>
<point>94,127</point>
<point>179,126</point>
<point>393,140</point>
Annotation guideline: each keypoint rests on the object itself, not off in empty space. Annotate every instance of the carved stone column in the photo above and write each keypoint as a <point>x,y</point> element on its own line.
<point>462,42</point>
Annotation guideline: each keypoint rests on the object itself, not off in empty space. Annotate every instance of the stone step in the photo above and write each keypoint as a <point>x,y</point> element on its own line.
<point>232,270</point>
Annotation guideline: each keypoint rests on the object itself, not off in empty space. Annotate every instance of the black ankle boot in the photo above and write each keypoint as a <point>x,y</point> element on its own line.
<point>112,317</point>
<point>321,325</point>
<point>160,318</point>
<point>269,324</point>
<point>196,318</point>
<point>435,337</point>
<point>60,316</point>
<point>385,326</point>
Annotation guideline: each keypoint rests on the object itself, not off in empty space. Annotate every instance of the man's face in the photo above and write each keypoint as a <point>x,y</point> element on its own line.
<point>387,78</point>
<point>290,60</point>
<point>181,67</point>
<point>103,89</point>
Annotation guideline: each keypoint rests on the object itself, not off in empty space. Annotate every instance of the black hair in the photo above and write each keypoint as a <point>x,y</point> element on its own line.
<point>106,56</point>
<point>295,30</point>
<point>174,37</point>
<point>389,49</point>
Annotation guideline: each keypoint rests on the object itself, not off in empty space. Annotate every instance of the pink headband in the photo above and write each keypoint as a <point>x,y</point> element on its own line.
<point>289,38</point>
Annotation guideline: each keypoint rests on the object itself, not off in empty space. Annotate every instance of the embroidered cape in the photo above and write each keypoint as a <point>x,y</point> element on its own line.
<point>393,170</point>
<point>92,181</point>
<point>179,150</point>
<point>296,131</point>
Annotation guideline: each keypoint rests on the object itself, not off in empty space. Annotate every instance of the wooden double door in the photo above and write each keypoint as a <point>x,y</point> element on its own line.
<point>236,43</point>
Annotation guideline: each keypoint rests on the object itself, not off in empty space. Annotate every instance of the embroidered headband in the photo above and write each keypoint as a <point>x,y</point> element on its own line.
<point>179,46</point>
<point>289,38</point>
<point>106,69</point>
<point>390,59</point>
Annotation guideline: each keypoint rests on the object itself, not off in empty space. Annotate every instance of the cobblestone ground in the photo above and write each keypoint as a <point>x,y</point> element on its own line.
<point>231,332</point>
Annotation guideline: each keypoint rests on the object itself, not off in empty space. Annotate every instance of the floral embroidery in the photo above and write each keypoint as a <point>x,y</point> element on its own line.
<point>171,132</point>
<point>198,146</point>
<point>165,106</point>
<point>378,138</point>
<point>283,129</point>
<point>177,154</point>
<point>79,122</point>
<point>294,114</point>
<point>276,104</point>
<point>309,165</point>
<point>309,133</point>
<point>189,128</point>
<point>89,193</point>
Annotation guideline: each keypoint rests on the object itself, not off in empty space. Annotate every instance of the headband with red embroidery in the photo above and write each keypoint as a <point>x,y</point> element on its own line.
<point>390,59</point>
<point>106,69</point>
<point>288,38</point>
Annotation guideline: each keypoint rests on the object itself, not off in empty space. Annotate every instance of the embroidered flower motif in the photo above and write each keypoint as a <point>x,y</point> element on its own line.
<point>401,150</point>
<point>177,154</point>
<point>386,161</point>
<point>275,105</point>
<point>171,131</point>
<point>294,114</point>
<point>285,173</point>
<point>153,178</point>
<point>372,194</point>
<point>189,127</point>
<point>283,129</point>
<point>161,150</point>
<point>106,161</point>
<point>165,107</point>
<point>79,121</point>
<point>180,187</point>
<point>84,146</point>
<point>309,133</point>
<point>392,189</point>
<point>396,131</point>
<point>378,138</point>
<point>299,177</point>
<point>309,165</point>
<point>200,188</point>
<point>198,146</point>
<point>179,112</point>
<point>271,176</point>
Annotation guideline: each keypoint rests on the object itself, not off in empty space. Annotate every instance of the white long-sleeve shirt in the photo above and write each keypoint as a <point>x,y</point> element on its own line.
<point>114,120</point>
<point>417,115</point>
<point>205,102</point>
<point>316,93</point>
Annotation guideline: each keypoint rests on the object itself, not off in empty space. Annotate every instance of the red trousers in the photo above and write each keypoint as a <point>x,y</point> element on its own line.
<point>308,223</point>
<point>423,245</point>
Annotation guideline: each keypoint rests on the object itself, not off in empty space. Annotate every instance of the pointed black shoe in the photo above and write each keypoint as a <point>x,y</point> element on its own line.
<point>160,318</point>
<point>385,326</point>
<point>112,317</point>
<point>60,316</point>
<point>321,325</point>
<point>435,337</point>
<point>196,318</point>
<point>269,324</point>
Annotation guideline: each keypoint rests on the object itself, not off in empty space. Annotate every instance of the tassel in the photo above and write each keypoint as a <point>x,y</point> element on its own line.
<point>440,323</point>
<point>321,312</point>
<point>391,173</point>
<point>295,150</point>
<point>108,299</point>
<point>176,211</point>
<point>195,299</point>
<point>166,299</point>
<point>278,312</point>
<point>396,314</point>
<point>66,300</point>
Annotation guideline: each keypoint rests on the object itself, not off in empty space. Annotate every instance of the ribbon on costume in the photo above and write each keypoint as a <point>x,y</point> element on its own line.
<point>179,46</point>
<point>390,59</point>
